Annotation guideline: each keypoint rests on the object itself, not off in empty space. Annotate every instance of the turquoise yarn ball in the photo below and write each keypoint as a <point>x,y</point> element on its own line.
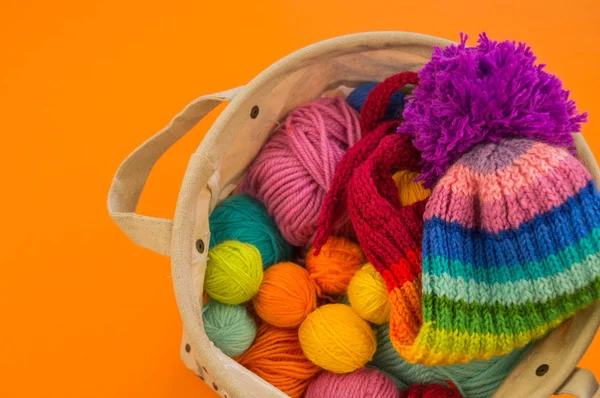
<point>476,379</point>
<point>245,219</point>
<point>230,327</point>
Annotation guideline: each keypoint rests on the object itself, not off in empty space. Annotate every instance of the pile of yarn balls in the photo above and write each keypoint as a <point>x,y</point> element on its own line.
<point>316,326</point>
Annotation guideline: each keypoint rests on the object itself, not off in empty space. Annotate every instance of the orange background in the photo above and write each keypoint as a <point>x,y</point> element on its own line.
<point>85,312</point>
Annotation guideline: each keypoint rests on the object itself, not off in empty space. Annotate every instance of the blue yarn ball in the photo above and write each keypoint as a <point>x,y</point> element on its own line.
<point>230,327</point>
<point>476,379</point>
<point>358,96</point>
<point>243,218</point>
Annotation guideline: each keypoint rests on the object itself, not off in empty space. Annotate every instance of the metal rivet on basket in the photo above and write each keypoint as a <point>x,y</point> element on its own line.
<point>254,112</point>
<point>215,387</point>
<point>201,377</point>
<point>542,370</point>
<point>188,348</point>
<point>200,246</point>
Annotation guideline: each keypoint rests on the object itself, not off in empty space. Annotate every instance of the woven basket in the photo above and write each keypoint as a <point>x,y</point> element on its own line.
<point>220,161</point>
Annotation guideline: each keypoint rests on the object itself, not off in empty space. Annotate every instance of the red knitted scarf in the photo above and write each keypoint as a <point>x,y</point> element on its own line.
<point>389,234</point>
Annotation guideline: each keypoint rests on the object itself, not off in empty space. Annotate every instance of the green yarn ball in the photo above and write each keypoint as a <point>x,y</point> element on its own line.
<point>245,219</point>
<point>234,272</point>
<point>476,379</point>
<point>230,327</point>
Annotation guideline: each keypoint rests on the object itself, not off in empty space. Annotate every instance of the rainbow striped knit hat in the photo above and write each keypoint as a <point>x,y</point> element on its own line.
<point>511,248</point>
<point>511,241</point>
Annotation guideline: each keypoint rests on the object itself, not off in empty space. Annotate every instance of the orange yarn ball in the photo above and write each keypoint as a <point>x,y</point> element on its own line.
<point>286,295</point>
<point>335,265</point>
<point>276,357</point>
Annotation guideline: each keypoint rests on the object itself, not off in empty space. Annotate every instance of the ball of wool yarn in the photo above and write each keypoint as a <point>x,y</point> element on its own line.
<point>286,296</point>
<point>469,95</point>
<point>335,265</point>
<point>409,190</point>
<point>476,379</point>
<point>294,169</point>
<point>335,338</point>
<point>368,295</point>
<point>429,391</point>
<point>363,383</point>
<point>230,327</point>
<point>276,357</point>
<point>245,219</point>
<point>356,99</point>
<point>233,272</point>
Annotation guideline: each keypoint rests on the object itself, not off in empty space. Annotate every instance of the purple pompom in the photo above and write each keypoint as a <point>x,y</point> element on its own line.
<point>470,95</point>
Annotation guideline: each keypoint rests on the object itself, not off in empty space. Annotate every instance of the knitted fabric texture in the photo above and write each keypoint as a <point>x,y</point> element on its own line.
<point>511,249</point>
<point>390,234</point>
<point>373,130</point>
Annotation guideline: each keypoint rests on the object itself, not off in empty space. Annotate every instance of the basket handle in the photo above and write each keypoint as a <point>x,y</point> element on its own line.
<point>580,383</point>
<point>131,176</point>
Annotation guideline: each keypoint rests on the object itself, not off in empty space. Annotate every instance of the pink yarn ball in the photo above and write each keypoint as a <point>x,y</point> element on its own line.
<point>364,383</point>
<point>294,169</point>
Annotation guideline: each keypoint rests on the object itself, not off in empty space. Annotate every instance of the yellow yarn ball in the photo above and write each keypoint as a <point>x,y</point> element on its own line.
<point>234,272</point>
<point>368,295</point>
<point>335,338</point>
<point>410,191</point>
